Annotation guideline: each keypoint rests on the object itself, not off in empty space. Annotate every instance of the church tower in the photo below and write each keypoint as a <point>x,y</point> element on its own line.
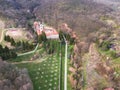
<point>41,26</point>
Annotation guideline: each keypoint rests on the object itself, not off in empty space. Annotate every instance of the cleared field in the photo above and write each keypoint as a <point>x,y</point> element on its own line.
<point>19,34</point>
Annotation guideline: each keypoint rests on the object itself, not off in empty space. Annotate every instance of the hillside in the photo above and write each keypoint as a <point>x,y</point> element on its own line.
<point>89,33</point>
<point>12,78</point>
<point>81,15</point>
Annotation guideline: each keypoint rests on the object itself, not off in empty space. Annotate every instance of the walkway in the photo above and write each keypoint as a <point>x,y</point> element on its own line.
<point>2,36</point>
<point>30,51</point>
<point>33,61</point>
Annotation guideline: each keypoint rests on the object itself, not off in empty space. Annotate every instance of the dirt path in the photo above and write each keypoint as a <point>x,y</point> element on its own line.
<point>33,61</point>
<point>1,36</point>
<point>30,52</point>
<point>91,75</point>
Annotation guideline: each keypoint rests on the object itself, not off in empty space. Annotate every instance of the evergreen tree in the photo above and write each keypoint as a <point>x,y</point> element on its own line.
<point>13,42</point>
<point>14,55</point>
<point>61,36</point>
<point>8,38</point>
<point>6,49</point>
<point>18,43</point>
<point>44,38</point>
<point>23,45</point>
<point>1,49</point>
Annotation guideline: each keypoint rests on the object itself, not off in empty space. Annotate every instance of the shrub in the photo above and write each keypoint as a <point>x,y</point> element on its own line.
<point>113,54</point>
<point>105,45</point>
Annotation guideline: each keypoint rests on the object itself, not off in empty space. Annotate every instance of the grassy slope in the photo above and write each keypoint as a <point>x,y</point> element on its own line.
<point>115,61</point>
<point>21,58</point>
<point>108,53</point>
<point>45,75</point>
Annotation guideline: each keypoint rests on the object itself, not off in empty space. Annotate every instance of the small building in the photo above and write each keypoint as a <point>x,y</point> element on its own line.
<point>50,32</point>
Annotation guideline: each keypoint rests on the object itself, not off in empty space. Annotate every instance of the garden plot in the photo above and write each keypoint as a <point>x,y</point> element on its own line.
<point>45,75</point>
<point>18,34</point>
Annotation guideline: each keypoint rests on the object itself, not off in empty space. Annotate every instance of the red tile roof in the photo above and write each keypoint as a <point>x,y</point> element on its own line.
<point>50,32</point>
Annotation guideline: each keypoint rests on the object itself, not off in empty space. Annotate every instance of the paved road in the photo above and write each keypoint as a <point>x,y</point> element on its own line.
<point>65,74</point>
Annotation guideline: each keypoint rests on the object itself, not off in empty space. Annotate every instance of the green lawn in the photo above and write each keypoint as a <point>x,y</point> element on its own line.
<point>116,61</point>
<point>21,58</point>
<point>45,75</point>
<point>27,57</point>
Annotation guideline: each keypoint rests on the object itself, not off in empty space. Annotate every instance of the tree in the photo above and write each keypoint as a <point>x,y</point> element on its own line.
<point>7,38</point>
<point>23,45</point>
<point>6,53</point>
<point>13,42</point>
<point>61,37</point>
<point>18,43</point>
<point>105,45</point>
<point>72,40</point>
<point>42,38</point>
<point>1,49</point>
<point>14,55</point>
<point>10,39</point>
<point>6,49</point>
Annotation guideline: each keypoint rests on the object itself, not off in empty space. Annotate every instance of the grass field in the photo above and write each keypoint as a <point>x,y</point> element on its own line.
<point>21,58</point>
<point>45,75</point>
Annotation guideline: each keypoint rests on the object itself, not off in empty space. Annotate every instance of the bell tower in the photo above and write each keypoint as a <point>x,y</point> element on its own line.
<point>41,26</point>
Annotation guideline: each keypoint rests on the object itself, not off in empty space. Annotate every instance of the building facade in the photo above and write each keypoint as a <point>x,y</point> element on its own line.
<point>50,32</point>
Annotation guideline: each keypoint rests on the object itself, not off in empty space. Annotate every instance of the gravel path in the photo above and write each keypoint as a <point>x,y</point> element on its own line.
<point>33,61</point>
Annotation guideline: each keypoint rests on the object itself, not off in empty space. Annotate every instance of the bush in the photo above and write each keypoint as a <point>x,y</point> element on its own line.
<point>113,54</point>
<point>67,36</point>
<point>10,39</point>
<point>105,45</point>
<point>6,53</point>
<point>42,37</point>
